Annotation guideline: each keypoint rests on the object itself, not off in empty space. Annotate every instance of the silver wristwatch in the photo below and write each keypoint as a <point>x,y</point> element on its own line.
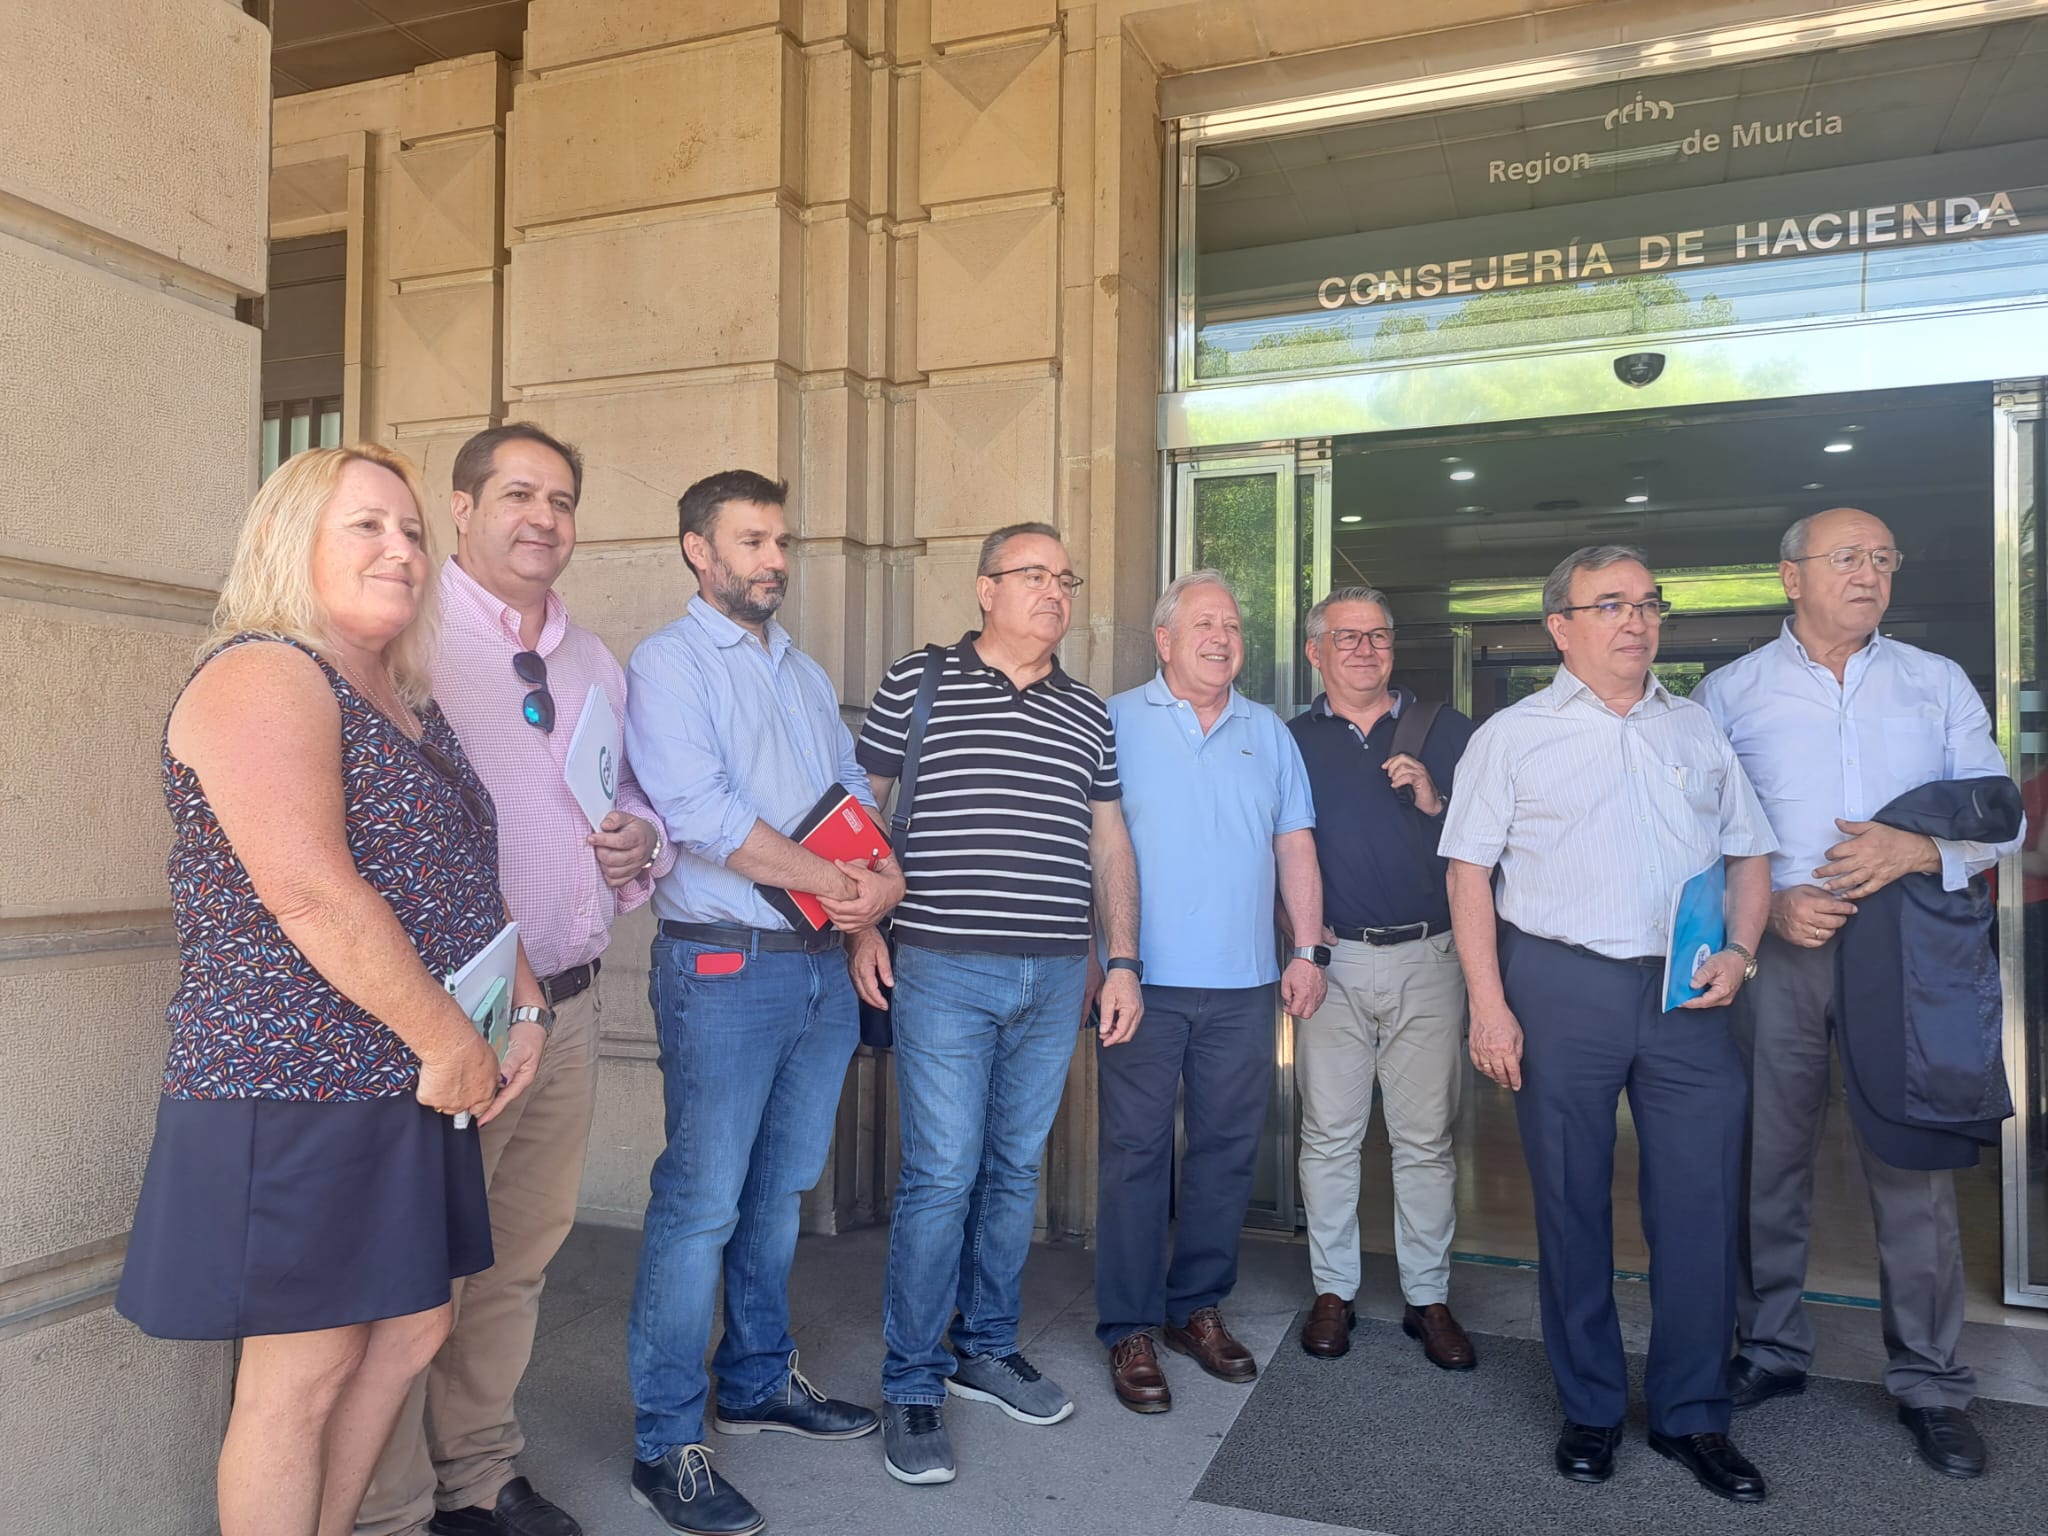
<point>544,1017</point>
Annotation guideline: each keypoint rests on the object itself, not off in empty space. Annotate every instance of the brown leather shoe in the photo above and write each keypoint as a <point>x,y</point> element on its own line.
<point>1134,1372</point>
<point>1327,1333</point>
<point>1210,1345</point>
<point>1444,1343</point>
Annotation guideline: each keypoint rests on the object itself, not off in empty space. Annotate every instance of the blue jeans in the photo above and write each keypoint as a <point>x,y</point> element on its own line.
<point>752,1064</point>
<point>982,1046</point>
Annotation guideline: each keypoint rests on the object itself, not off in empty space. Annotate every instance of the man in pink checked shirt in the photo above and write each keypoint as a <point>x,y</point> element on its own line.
<point>512,677</point>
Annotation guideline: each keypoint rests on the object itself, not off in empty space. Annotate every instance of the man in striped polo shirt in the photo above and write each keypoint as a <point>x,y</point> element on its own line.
<point>1016,833</point>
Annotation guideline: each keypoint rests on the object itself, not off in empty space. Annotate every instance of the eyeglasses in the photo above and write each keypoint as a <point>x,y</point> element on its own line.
<point>1653,609</point>
<point>1850,557</point>
<point>1039,578</point>
<point>1349,640</point>
<point>539,707</point>
<point>474,805</point>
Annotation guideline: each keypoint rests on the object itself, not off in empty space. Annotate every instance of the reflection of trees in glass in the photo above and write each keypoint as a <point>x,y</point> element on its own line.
<point>1237,531</point>
<point>1633,304</point>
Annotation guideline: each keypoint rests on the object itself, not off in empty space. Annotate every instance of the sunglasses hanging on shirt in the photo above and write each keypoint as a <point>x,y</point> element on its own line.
<point>539,705</point>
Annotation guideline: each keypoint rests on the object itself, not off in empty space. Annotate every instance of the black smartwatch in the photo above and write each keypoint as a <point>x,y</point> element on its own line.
<point>1316,954</point>
<point>1124,963</point>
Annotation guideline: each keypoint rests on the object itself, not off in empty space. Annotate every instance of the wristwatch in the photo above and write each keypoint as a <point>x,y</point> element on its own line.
<point>1125,963</point>
<point>544,1017</point>
<point>1749,960</point>
<point>1316,954</point>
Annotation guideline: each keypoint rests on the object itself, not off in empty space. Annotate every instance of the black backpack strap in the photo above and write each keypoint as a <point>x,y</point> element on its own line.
<point>913,744</point>
<point>1411,728</point>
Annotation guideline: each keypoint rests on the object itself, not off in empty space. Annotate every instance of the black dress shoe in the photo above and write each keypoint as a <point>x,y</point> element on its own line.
<point>517,1511</point>
<point>691,1499</point>
<point>1713,1459</point>
<point>1585,1453</point>
<point>1749,1383</point>
<point>799,1409</point>
<point>1948,1441</point>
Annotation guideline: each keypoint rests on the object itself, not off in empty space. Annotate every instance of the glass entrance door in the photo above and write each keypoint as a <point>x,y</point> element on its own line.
<point>2023,882</point>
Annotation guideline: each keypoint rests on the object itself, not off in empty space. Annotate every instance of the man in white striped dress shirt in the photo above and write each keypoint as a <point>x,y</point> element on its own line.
<point>1594,799</point>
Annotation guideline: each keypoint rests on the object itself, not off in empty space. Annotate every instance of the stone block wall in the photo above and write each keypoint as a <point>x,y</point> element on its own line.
<point>132,174</point>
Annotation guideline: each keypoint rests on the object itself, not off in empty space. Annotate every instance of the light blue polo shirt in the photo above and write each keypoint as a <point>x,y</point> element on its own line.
<point>1203,812</point>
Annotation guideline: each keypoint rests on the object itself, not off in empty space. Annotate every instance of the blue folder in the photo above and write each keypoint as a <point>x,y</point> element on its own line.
<point>1699,928</point>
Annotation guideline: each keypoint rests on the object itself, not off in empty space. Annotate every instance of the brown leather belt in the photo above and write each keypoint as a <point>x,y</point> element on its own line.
<point>563,985</point>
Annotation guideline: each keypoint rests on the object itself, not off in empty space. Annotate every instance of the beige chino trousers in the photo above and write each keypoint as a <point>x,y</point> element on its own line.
<point>1395,1016</point>
<point>457,1436</point>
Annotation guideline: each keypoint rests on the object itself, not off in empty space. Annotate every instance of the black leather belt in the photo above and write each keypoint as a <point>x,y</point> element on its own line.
<point>772,940</point>
<point>1403,933</point>
<point>1647,962</point>
<point>574,982</point>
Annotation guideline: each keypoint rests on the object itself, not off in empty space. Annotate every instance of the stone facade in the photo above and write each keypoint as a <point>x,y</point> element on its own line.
<point>131,226</point>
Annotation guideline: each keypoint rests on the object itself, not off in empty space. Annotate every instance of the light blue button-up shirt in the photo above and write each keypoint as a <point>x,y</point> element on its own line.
<point>1817,749</point>
<point>1595,818</point>
<point>723,731</point>
<point>1203,809</point>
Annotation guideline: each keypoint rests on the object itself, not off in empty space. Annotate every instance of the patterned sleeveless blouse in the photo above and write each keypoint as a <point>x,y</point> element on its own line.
<point>252,1019</point>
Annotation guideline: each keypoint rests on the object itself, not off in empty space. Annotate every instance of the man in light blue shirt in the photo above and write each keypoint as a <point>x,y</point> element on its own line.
<point>1217,801</point>
<point>734,735</point>
<point>1833,720</point>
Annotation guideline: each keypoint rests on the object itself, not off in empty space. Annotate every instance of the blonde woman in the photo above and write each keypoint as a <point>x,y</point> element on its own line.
<point>309,1191</point>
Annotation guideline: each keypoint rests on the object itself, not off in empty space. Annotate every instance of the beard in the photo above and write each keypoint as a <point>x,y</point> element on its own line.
<point>749,602</point>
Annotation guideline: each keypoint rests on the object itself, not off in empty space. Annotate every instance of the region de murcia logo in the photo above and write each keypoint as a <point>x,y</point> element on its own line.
<point>1641,110</point>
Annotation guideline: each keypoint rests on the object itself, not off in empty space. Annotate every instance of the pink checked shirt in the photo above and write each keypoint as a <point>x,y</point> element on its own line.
<point>550,877</point>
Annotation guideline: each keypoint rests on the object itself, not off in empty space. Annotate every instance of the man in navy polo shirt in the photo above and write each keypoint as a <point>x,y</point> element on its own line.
<point>1219,811</point>
<point>1397,995</point>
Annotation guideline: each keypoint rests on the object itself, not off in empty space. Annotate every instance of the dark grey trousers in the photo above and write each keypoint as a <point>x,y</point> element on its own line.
<point>1783,1023</point>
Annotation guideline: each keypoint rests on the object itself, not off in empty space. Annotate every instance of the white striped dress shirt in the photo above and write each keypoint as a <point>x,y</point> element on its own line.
<point>1595,818</point>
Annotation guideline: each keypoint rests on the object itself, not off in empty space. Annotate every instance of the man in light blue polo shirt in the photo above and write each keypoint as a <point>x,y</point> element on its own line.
<point>1217,801</point>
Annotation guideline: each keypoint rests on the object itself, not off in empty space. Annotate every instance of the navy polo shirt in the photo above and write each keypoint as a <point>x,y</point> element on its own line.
<point>1378,856</point>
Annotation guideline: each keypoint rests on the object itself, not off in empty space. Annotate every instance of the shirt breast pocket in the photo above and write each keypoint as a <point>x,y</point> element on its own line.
<point>1700,783</point>
<point>1915,750</point>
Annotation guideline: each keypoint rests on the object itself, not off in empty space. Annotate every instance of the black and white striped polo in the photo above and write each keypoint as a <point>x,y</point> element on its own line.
<point>997,855</point>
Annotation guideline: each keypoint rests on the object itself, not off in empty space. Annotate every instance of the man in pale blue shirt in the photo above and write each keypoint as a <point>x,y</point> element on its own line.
<point>734,735</point>
<point>1833,720</point>
<point>1218,805</point>
<point>1594,799</point>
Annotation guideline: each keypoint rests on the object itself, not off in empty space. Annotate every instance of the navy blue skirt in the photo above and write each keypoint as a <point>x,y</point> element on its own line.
<point>284,1216</point>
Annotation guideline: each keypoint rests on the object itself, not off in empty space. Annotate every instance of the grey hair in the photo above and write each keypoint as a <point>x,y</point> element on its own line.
<point>1793,545</point>
<point>992,546</point>
<point>1557,589</point>
<point>1169,600</point>
<point>1318,616</point>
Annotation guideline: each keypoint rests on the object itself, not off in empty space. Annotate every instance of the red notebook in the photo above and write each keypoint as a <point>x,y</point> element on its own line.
<point>837,827</point>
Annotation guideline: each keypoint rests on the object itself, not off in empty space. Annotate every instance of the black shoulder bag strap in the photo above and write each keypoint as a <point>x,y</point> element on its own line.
<point>1411,730</point>
<point>913,746</point>
<point>877,1029</point>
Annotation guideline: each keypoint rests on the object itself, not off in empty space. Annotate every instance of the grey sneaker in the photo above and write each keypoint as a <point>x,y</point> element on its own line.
<point>1013,1384</point>
<point>914,1444</point>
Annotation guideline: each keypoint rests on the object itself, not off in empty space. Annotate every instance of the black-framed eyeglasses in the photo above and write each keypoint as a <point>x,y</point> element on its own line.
<point>1349,640</point>
<point>1040,578</point>
<point>539,705</point>
<point>1884,559</point>
<point>1655,610</point>
<point>474,805</point>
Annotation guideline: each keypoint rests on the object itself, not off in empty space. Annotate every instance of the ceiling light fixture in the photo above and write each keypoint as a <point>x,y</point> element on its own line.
<point>1214,171</point>
<point>1464,474</point>
<point>1838,446</point>
<point>1351,517</point>
<point>1636,499</point>
<point>1813,485</point>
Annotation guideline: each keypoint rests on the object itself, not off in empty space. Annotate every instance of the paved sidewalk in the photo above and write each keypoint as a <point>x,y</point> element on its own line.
<point>1105,1470</point>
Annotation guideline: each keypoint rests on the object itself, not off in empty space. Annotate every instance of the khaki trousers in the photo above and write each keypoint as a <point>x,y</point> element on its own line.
<point>457,1436</point>
<point>1396,1016</point>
